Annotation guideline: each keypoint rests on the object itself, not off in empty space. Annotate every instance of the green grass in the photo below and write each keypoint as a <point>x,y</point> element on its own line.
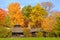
<point>29,38</point>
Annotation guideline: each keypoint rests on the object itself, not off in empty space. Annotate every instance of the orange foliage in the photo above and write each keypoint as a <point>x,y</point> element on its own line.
<point>15,14</point>
<point>14,7</point>
<point>47,24</point>
<point>2,14</point>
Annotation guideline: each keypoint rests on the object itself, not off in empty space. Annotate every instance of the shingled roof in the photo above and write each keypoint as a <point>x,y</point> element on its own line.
<point>18,29</point>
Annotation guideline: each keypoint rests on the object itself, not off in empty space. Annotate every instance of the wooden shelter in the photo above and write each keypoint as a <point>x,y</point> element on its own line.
<point>17,31</point>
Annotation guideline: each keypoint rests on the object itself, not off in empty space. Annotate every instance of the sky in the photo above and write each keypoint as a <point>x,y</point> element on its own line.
<point>4,3</point>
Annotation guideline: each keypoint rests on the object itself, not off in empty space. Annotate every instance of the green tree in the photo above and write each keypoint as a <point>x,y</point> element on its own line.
<point>26,11</point>
<point>8,21</point>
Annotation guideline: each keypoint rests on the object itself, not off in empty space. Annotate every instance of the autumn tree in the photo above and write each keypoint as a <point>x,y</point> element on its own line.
<point>51,24</point>
<point>2,14</point>
<point>4,31</point>
<point>15,14</point>
<point>2,17</point>
<point>56,25</point>
<point>47,5</point>
<point>37,15</point>
<point>47,24</point>
<point>26,11</point>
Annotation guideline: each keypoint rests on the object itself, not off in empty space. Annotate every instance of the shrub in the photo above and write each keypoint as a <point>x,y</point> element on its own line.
<point>4,32</point>
<point>26,32</point>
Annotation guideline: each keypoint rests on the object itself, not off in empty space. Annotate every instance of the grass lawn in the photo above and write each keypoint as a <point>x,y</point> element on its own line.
<point>29,38</point>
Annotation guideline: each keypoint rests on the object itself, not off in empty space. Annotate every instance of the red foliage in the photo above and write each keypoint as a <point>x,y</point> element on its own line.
<point>2,14</point>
